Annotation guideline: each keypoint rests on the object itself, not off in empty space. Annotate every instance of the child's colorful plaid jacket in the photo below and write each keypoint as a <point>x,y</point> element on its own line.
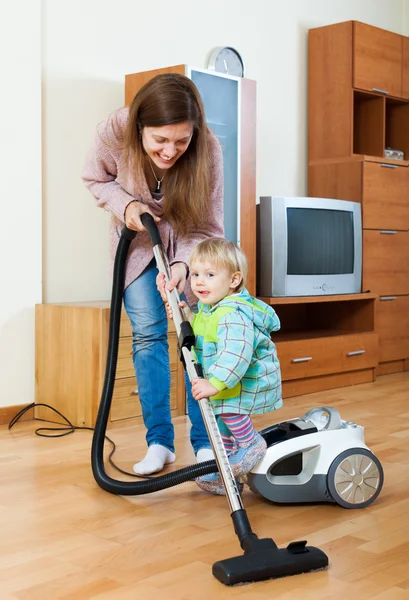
<point>238,357</point>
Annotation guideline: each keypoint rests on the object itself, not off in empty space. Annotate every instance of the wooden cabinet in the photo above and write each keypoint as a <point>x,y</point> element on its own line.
<point>377,59</point>
<point>363,87</point>
<point>70,354</point>
<point>325,341</point>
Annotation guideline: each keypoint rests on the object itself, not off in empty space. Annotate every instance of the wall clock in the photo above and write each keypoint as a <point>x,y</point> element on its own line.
<point>225,59</point>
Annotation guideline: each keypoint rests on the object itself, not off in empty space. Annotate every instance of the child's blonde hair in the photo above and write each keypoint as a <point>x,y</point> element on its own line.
<point>221,252</point>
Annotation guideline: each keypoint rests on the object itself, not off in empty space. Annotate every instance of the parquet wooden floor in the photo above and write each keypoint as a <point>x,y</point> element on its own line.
<point>64,538</point>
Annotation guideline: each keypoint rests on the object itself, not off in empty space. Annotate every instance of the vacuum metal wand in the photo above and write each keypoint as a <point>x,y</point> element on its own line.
<point>193,370</point>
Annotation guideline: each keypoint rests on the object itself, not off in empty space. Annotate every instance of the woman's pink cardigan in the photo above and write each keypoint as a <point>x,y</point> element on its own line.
<point>109,180</point>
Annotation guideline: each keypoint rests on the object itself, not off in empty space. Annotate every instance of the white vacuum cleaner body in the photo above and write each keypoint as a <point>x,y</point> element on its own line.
<point>317,458</point>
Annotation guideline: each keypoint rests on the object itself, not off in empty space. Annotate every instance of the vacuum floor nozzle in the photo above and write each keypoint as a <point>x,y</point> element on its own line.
<point>266,561</point>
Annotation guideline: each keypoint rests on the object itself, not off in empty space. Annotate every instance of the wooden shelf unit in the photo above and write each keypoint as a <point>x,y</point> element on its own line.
<point>70,355</point>
<point>358,105</point>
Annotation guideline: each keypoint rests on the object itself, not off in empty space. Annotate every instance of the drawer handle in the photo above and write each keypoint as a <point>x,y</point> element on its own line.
<point>300,360</point>
<point>380,91</point>
<point>382,298</point>
<point>355,352</point>
<point>135,392</point>
<point>388,166</point>
<point>388,232</point>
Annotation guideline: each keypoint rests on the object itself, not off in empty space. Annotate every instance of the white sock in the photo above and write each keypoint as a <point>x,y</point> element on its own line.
<point>204,454</point>
<point>156,458</point>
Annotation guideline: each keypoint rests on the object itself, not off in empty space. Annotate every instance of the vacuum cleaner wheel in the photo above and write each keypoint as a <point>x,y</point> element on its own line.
<point>355,478</point>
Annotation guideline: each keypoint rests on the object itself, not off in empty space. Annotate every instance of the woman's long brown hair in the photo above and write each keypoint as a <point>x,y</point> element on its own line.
<point>164,100</point>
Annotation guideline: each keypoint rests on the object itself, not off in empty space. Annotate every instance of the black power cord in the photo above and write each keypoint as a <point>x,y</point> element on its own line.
<point>70,428</point>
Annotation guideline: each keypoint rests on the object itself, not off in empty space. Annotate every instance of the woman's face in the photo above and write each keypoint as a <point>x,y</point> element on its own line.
<point>164,145</point>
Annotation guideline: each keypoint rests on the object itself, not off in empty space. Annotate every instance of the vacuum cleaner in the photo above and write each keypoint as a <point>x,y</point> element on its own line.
<point>262,559</point>
<point>317,458</point>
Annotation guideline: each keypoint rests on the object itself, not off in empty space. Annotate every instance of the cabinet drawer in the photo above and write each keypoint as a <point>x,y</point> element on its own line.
<point>125,399</point>
<point>125,363</point>
<point>392,326</point>
<point>386,262</point>
<point>385,196</point>
<point>313,357</point>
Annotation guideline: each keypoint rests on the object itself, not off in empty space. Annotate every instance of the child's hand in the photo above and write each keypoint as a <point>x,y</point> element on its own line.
<point>186,311</point>
<point>202,388</point>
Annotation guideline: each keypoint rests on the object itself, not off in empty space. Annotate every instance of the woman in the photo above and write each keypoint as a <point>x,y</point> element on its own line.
<point>159,157</point>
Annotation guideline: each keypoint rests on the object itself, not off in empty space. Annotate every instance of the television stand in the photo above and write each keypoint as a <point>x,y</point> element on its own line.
<point>325,342</point>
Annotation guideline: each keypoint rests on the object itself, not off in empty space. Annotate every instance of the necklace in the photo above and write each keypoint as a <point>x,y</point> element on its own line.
<point>158,181</point>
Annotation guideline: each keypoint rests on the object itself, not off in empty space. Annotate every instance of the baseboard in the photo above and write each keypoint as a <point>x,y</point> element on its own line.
<point>388,368</point>
<point>8,412</point>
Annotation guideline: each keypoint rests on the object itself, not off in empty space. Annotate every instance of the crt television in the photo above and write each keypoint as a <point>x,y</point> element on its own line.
<point>309,246</point>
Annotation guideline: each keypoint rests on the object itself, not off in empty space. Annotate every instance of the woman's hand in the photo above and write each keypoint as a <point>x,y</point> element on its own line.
<point>202,388</point>
<point>178,280</point>
<point>133,215</point>
<point>160,283</point>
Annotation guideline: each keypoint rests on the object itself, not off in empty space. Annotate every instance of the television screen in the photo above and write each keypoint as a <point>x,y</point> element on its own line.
<point>320,242</point>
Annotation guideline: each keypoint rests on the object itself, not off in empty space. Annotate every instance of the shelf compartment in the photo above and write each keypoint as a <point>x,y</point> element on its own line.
<point>397,125</point>
<point>336,317</point>
<point>368,123</point>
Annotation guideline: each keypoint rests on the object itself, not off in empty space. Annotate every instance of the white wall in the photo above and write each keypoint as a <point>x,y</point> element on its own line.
<point>405,17</point>
<point>88,47</point>
<point>20,189</point>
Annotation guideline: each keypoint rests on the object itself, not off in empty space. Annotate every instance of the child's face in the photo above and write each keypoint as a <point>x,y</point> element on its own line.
<point>211,283</point>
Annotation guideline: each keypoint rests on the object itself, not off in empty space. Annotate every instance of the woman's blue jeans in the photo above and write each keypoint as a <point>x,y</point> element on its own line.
<point>147,313</point>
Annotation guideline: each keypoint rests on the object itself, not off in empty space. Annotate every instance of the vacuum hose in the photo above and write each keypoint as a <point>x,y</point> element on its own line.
<point>107,483</point>
<point>262,559</point>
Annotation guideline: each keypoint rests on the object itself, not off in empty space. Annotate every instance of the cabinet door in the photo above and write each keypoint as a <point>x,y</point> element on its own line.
<point>385,262</point>
<point>392,326</point>
<point>385,196</point>
<point>377,59</point>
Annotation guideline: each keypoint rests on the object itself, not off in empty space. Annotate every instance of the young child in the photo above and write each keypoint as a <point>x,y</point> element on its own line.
<point>233,345</point>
